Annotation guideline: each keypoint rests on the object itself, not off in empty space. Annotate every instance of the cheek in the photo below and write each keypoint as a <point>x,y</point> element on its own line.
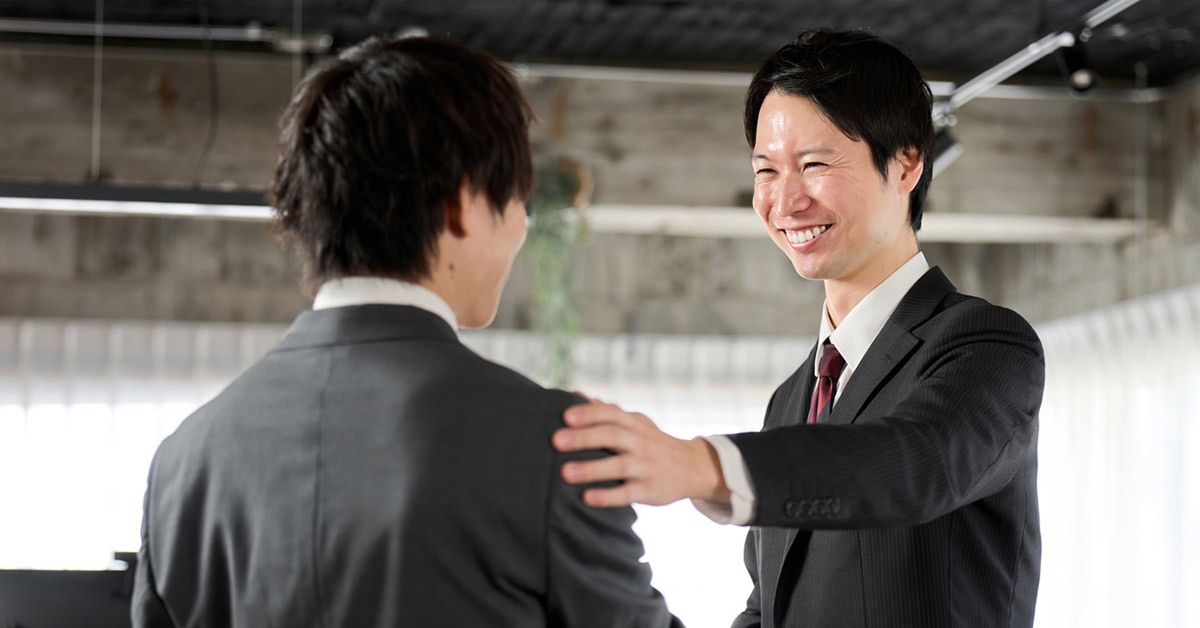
<point>763,196</point>
<point>826,188</point>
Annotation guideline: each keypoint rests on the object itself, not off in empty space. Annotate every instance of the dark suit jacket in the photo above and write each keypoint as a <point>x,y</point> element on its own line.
<point>372,471</point>
<point>916,504</point>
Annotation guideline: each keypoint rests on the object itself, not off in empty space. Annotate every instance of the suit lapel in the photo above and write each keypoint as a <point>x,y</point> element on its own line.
<point>886,353</point>
<point>893,344</point>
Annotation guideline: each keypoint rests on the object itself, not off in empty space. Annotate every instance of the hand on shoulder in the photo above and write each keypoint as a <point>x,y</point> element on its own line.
<point>653,467</point>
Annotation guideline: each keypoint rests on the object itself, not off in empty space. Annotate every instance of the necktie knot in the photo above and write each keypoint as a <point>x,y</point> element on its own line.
<point>832,362</point>
<point>828,371</point>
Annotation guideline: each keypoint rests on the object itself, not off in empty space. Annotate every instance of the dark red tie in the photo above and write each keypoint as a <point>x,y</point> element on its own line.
<point>832,364</point>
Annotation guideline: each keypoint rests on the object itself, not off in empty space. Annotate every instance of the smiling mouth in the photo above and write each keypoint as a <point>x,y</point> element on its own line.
<point>803,235</point>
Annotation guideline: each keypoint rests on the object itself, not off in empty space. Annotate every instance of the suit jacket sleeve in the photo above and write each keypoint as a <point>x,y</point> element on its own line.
<point>962,427</point>
<point>147,609</point>
<point>594,571</point>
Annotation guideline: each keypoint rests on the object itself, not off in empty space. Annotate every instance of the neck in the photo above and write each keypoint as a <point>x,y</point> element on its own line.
<point>454,276</point>
<point>442,282</point>
<point>842,295</point>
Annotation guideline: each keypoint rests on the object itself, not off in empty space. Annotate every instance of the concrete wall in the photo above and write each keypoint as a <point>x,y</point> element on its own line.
<point>144,268</point>
<point>647,143</point>
<point>1049,282</point>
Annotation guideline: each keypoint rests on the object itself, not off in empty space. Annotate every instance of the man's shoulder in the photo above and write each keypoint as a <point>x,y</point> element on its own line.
<point>431,377</point>
<point>967,318</point>
<point>965,308</point>
<point>489,377</point>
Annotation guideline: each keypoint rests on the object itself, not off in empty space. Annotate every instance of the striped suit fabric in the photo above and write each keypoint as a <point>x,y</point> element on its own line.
<point>915,503</point>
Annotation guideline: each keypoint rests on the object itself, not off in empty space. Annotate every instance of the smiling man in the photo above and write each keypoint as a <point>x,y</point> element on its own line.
<point>894,480</point>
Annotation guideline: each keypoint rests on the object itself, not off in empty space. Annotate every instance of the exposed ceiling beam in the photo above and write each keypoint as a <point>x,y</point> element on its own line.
<point>319,43</point>
<point>132,201</point>
<point>674,220</point>
<point>322,43</point>
<point>731,222</point>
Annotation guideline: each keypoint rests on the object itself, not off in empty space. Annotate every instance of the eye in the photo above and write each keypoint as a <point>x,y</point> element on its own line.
<point>814,164</point>
<point>764,171</point>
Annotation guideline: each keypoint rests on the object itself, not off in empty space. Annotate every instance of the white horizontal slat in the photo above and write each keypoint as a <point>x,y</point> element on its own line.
<point>734,222</point>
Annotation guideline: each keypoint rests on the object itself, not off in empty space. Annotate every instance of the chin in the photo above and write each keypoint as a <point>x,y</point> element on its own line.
<point>805,270</point>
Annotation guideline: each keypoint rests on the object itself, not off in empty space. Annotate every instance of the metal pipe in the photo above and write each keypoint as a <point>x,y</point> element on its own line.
<point>1024,58</point>
<point>97,87</point>
<point>1010,66</point>
<point>297,16</point>
<point>1100,94</point>
<point>1141,183</point>
<point>136,31</point>
<point>251,33</point>
<point>528,71</point>
<point>1102,13</point>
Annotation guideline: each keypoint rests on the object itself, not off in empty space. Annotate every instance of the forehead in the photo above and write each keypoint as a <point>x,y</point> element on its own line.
<point>789,121</point>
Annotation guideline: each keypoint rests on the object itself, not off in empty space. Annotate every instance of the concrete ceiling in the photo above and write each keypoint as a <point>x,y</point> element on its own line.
<point>948,38</point>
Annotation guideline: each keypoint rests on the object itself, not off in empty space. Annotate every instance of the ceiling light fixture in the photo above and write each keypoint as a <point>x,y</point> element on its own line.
<point>111,200</point>
<point>1079,77</point>
<point>1077,68</point>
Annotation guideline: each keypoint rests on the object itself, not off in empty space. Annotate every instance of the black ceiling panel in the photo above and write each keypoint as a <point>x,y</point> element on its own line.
<point>952,38</point>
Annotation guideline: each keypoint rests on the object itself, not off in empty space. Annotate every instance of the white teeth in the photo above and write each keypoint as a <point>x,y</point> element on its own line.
<point>799,237</point>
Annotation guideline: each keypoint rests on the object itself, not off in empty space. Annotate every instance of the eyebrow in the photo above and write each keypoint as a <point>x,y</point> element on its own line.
<point>819,150</point>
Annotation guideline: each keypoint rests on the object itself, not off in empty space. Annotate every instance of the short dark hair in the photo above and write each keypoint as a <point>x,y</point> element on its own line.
<point>866,87</point>
<point>375,145</point>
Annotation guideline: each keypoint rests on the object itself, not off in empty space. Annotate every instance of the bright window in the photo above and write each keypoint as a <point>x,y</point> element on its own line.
<point>84,405</point>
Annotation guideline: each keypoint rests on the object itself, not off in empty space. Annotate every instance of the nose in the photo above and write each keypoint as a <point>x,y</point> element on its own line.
<point>786,196</point>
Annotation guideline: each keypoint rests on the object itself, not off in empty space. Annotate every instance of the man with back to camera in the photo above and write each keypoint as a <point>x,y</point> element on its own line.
<point>894,481</point>
<point>370,470</point>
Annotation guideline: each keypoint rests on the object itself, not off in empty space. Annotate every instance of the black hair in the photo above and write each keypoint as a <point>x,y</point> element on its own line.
<point>375,145</point>
<point>865,86</point>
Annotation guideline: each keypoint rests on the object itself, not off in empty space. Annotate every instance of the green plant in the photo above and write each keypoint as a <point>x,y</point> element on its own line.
<point>562,186</point>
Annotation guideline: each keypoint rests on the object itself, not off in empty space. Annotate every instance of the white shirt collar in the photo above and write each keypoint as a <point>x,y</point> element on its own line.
<point>349,291</point>
<point>860,327</point>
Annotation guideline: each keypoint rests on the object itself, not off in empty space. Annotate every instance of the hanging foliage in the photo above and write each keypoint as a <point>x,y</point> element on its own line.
<point>563,187</point>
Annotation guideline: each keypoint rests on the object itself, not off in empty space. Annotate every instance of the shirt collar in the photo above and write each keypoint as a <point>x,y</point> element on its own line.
<point>349,291</point>
<point>860,327</point>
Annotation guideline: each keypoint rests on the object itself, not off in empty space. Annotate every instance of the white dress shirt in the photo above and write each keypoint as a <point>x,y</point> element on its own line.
<point>363,290</point>
<point>852,339</point>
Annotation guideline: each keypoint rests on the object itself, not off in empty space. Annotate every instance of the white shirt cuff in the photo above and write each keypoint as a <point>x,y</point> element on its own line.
<point>740,510</point>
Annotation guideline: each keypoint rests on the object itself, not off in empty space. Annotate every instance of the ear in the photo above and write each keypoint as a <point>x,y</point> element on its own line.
<point>911,166</point>
<point>461,211</point>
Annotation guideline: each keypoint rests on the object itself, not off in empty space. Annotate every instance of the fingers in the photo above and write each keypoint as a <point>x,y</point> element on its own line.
<point>608,497</point>
<point>578,416</point>
<point>625,495</point>
<point>644,460</point>
<point>603,436</point>
<point>605,469</point>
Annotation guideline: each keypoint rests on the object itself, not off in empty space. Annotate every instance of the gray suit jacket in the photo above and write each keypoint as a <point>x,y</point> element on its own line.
<point>916,504</point>
<point>370,470</point>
